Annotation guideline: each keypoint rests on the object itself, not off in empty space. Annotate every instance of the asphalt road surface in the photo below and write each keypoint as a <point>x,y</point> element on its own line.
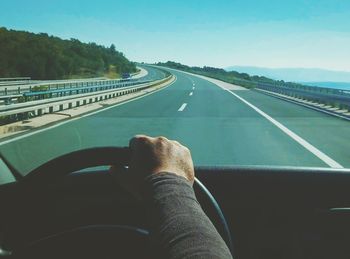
<point>221,127</point>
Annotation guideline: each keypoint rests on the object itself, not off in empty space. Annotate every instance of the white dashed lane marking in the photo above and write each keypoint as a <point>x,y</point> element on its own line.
<point>183,106</point>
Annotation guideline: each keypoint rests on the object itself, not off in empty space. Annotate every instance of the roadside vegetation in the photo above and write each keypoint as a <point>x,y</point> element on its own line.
<point>41,56</point>
<point>232,77</point>
<point>112,72</point>
<point>327,96</point>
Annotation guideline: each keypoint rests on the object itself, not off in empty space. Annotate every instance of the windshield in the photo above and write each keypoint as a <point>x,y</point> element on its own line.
<point>244,83</point>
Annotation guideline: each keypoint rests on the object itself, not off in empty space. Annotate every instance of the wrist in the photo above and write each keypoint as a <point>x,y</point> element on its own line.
<point>169,173</point>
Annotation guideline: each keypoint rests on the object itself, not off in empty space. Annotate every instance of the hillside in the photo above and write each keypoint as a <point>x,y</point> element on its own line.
<point>41,56</point>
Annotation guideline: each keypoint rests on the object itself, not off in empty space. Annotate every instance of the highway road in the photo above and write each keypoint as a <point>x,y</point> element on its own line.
<point>153,74</point>
<point>221,127</point>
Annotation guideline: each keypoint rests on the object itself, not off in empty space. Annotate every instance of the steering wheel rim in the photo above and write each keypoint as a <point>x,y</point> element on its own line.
<point>118,156</point>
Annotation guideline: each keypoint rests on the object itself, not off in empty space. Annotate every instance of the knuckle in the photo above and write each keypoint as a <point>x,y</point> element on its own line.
<point>138,140</point>
<point>186,149</point>
<point>162,140</point>
<point>141,138</point>
<point>176,143</point>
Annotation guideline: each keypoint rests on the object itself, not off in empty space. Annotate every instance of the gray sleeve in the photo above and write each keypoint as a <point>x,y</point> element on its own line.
<point>179,223</point>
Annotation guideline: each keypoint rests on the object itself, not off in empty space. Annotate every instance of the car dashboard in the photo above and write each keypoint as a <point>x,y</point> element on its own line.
<point>271,212</point>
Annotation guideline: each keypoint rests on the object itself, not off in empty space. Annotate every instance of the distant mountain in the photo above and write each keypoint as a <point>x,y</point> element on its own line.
<point>295,74</point>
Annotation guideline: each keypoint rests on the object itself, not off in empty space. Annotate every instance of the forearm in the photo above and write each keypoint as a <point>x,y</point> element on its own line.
<point>181,226</point>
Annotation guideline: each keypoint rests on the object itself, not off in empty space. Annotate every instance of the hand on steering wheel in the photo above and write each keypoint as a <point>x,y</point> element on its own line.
<point>151,156</point>
<point>158,155</point>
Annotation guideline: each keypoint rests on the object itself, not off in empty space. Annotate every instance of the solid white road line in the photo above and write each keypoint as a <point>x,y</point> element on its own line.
<point>191,93</point>
<point>86,115</point>
<point>183,106</point>
<point>329,161</point>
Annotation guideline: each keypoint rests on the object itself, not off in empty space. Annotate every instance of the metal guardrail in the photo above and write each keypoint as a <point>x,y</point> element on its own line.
<point>13,81</point>
<point>297,87</point>
<point>63,90</point>
<point>25,78</point>
<point>19,89</point>
<point>322,95</point>
<point>59,92</point>
<point>37,108</point>
<point>333,97</point>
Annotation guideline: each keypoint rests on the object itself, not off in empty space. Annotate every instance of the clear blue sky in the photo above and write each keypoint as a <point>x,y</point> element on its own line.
<point>221,33</point>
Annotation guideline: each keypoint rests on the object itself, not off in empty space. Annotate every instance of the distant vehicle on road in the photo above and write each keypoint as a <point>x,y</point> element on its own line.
<point>126,75</point>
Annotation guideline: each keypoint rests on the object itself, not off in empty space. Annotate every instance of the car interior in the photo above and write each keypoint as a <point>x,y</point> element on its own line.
<point>254,93</point>
<point>61,211</point>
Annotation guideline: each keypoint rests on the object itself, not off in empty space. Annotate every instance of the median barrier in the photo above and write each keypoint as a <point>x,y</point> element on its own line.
<point>58,104</point>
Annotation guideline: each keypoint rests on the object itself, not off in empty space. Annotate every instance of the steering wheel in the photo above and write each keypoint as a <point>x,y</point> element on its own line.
<point>119,156</point>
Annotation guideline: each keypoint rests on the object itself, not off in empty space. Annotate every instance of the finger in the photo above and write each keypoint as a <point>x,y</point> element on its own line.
<point>139,139</point>
<point>162,139</point>
<point>178,144</point>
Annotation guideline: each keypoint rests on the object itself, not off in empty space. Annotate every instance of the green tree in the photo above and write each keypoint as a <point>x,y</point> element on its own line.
<point>41,56</point>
